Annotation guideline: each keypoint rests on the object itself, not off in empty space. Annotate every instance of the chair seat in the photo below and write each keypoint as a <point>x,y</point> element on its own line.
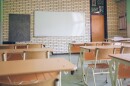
<point>99,65</point>
<point>27,79</point>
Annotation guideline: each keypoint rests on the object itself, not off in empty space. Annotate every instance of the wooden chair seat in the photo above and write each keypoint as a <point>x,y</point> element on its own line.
<point>30,79</point>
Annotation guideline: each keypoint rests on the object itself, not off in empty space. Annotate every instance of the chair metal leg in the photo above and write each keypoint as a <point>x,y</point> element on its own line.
<point>93,77</point>
<point>106,79</point>
<point>121,82</point>
<point>70,57</point>
<point>60,79</point>
<point>118,81</point>
<point>78,62</point>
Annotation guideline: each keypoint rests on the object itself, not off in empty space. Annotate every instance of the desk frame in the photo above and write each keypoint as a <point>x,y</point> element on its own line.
<point>116,61</point>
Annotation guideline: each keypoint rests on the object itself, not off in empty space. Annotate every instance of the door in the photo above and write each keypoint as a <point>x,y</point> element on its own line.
<point>97,22</point>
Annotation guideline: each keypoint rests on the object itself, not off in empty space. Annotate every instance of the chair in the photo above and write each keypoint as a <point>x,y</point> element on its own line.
<point>21,46</point>
<point>35,45</point>
<point>100,62</point>
<point>88,54</point>
<point>11,56</point>
<point>74,48</point>
<point>125,49</point>
<point>7,47</point>
<point>35,55</point>
<point>124,70</point>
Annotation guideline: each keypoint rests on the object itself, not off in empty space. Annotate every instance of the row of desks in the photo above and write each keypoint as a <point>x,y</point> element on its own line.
<point>33,66</point>
<point>115,58</point>
<point>15,46</point>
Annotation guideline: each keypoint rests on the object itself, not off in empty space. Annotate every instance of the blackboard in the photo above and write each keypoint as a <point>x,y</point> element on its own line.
<point>59,23</point>
<point>19,27</point>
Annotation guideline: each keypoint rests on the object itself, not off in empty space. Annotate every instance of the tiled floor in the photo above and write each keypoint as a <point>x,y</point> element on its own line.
<point>75,80</point>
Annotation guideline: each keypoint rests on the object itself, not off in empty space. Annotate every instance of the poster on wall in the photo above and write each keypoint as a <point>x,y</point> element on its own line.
<point>122,22</point>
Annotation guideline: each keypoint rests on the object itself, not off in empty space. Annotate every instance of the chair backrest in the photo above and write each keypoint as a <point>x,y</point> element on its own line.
<point>75,48</point>
<point>102,53</point>
<point>7,47</point>
<point>11,56</point>
<point>35,45</point>
<point>19,46</point>
<point>90,56</point>
<point>125,49</point>
<point>91,44</point>
<point>35,55</point>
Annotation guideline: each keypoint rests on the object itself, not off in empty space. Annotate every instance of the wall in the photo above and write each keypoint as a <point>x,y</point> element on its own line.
<point>59,44</point>
<point>128,17</point>
<point>112,18</point>
<point>121,7</point>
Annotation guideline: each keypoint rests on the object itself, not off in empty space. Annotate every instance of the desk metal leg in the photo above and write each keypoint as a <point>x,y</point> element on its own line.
<point>82,66</point>
<point>110,70</point>
<point>78,62</point>
<point>116,73</point>
<point>58,81</point>
<point>113,76</point>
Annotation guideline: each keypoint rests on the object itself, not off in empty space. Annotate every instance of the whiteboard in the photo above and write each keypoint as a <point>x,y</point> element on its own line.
<point>59,23</point>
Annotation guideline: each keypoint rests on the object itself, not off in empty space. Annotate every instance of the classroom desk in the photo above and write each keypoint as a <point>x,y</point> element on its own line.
<point>5,51</point>
<point>88,49</point>
<point>75,47</point>
<point>35,66</point>
<point>119,39</point>
<point>125,42</point>
<point>116,59</point>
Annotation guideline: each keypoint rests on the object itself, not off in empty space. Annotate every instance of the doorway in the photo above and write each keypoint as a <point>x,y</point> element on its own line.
<point>98,20</point>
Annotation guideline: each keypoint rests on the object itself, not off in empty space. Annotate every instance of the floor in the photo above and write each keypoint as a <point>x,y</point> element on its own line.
<point>76,78</point>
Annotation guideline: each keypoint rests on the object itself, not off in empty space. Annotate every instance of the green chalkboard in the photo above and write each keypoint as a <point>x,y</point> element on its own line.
<point>19,27</point>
